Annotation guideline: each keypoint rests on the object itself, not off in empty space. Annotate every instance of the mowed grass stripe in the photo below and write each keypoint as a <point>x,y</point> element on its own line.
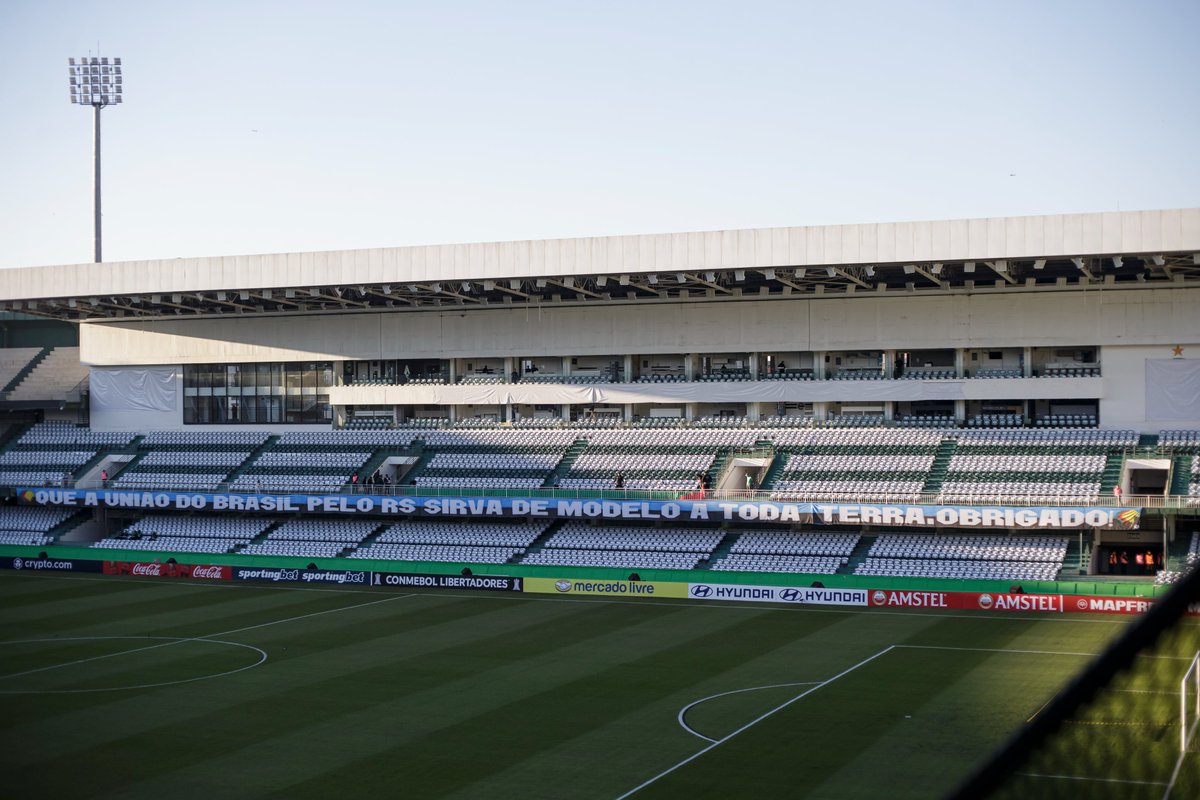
<point>476,747</point>
<point>301,689</point>
<point>204,613</point>
<point>134,611</point>
<point>795,751</point>
<point>31,591</point>
<point>354,687</point>
<point>931,740</point>
<point>592,638</point>
<point>644,740</point>
<point>78,724</point>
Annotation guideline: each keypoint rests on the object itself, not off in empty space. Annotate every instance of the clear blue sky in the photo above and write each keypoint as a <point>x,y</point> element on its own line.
<point>254,127</point>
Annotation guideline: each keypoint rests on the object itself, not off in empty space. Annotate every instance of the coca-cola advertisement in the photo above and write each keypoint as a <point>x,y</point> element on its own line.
<point>168,569</point>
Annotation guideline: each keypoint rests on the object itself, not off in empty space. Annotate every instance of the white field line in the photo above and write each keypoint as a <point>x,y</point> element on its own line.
<point>683,711</point>
<point>262,658</point>
<point>715,742</point>
<point>682,602</point>
<point>1174,776</point>
<point>194,638</point>
<point>1089,778</point>
<point>1178,764</point>
<point>1182,755</point>
<point>1026,652</point>
<point>753,722</point>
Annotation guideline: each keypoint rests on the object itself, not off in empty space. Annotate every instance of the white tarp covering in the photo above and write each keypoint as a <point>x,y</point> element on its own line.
<point>133,389</point>
<point>1173,390</point>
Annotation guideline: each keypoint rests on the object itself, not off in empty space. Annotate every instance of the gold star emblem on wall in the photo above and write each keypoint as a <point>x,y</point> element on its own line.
<point>1177,351</point>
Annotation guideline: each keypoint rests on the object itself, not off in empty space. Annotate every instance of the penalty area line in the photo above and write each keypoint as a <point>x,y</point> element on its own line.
<point>753,722</point>
<point>181,640</point>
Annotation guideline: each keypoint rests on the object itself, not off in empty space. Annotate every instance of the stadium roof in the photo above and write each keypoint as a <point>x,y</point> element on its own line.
<point>1040,253</point>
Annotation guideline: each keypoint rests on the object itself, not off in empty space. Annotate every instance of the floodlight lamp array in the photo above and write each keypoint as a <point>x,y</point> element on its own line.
<point>96,81</point>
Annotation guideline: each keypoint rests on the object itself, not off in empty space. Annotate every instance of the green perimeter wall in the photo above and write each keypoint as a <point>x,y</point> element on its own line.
<point>1084,587</point>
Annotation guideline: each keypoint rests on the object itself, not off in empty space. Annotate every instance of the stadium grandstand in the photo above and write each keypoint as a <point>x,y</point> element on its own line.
<point>805,388</point>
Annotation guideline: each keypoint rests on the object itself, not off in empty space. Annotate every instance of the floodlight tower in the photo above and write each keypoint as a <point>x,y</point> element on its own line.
<point>97,83</point>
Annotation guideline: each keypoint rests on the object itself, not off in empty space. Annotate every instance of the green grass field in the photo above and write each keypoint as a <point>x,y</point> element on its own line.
<point>144,688</point>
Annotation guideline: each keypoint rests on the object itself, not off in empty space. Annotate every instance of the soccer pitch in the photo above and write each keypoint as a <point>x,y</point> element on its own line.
<point>147,688</point>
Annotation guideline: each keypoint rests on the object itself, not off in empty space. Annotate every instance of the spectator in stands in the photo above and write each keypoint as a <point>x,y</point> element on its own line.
<point>749,481</point>
<point>782,366</point>
<point>620,480</point>
<point>104,477</point>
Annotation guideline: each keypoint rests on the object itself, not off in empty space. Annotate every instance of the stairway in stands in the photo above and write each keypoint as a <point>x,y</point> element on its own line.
<point>1075,562</point>
<point>366,541</point>
<point>723,547</point>
<point>262,537</point>
<point>716,470</point>
<point>1112,472</point>
<point>250,459</point>
<point>1181,474</point>
<point>858,555</point>
<point>564,466</point>
<point>941,463</point>
<point>11,434</point>
<point>778,462</point>
<point>379,456</point>
<point>538,544</point>
<point>23,373</point>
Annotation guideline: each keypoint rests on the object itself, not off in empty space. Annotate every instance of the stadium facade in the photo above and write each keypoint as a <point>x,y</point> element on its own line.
<point>1039,320</point>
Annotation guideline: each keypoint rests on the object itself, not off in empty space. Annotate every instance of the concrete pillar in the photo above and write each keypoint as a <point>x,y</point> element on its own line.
<point>959,362</point>
<point>754,366</point>
<point>889,410</point>
<point>889,364</point>
<point>689,366</point>
<point>628,368</point>
<point>454,370</point>
<point>509,366</point>
<point>565,411</point>
<point>1027,362</point>
<point>628,413</point>
<point>960,411</point>
<point>819,371</point>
